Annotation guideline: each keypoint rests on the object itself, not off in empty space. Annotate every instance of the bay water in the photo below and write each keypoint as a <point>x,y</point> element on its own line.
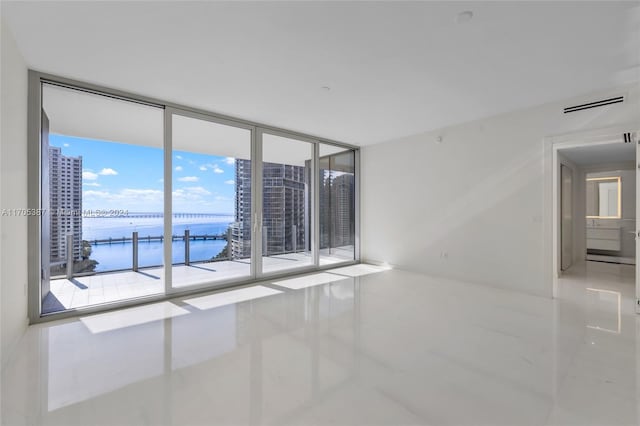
<point>119,255</point>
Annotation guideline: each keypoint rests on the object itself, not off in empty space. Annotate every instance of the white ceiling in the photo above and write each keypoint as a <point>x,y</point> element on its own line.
<point>394,68</point>
<point>601,154</point>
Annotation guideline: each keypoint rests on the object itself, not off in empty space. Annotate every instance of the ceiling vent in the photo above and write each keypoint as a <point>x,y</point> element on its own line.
<point>609,101</point>
<point>628,137</point>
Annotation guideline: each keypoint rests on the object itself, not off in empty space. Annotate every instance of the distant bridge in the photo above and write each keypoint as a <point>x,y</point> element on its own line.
<point>156,215</point>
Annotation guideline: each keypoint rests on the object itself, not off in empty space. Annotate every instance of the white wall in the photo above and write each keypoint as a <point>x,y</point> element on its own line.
<point>477,196</point>
<point>13,193</point>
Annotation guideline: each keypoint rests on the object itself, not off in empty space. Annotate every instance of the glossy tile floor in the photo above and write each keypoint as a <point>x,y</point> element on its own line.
<point>353,346</point>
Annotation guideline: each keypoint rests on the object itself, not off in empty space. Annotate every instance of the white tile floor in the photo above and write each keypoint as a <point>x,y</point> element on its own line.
<point>110,287</point>
<point>371,346</point>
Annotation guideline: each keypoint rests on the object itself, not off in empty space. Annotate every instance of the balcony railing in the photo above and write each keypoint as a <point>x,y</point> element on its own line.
<point>187,237</point>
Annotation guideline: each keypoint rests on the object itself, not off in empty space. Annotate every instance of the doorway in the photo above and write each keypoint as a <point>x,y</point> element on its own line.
<point>596,216</point>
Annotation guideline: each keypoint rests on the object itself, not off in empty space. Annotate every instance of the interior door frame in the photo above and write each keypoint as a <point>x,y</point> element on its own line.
<point>258,194</point>
<point>551,146</point>
<point>636,141</point>
<point>566,172</point>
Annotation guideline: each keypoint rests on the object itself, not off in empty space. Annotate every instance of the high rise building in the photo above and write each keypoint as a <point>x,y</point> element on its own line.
<point>65,198</point>
<point>337,202</point>
<point>324,209</point>
<point>241,229</point>
<point>285,198</point>
<point>285,218</point>
<point>342,211</point>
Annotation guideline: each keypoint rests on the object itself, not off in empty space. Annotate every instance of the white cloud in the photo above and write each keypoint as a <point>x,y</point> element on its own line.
<point>197,190</point>
<point>214,167</point>
<point>230,161</point>
<point>179,157</point>
<point>133,199</point>
<point>91,184</point>
<point>179,169</point>
<point>200,199</point>
<point>187,198</point>
<point>66,145</point>
<point>203,168</point>
<point>89,175</point>
<point>145,193</point>
<point>230,182</point>
<point>161,180</point>
<point>126,195</point>
<point>188,179</point>
<point>96,194</point>
<point>107,172</point>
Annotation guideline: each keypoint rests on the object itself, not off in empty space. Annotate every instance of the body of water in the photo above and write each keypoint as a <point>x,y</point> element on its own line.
<point>117,256</point>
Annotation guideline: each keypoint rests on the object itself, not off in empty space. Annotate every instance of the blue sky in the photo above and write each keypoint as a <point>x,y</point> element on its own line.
<point>130,177</point>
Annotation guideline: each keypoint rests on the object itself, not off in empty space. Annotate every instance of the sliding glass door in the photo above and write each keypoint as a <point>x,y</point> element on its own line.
<point>211,205</point>
<point>286,221</point>
<point>337,204</point>
<point>101,199</point>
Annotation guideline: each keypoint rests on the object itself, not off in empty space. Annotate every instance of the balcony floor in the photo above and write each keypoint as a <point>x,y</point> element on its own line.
<point>109,287</point>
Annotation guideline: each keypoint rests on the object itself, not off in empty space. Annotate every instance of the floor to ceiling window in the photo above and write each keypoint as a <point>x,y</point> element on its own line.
<point>211,201</point>
<point>101,198</point>
<point>140,199</point>
<point>337,205</point>
<point>286,216</point>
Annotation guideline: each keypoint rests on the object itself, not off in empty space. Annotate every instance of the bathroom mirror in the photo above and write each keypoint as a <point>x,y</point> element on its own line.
<point>604,197</point>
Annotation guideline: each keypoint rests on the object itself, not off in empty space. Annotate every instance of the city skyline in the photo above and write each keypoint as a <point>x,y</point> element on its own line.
<point>285,219</point>
<point>114,177</point>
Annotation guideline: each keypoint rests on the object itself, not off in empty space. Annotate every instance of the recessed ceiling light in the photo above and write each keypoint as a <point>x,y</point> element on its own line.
<point>462,17</point>
<point>326,88</point>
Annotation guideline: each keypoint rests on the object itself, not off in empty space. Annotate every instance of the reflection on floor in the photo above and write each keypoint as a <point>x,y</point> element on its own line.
<point>598,380</point>
<point>111,287</point>
<point>359,346</point>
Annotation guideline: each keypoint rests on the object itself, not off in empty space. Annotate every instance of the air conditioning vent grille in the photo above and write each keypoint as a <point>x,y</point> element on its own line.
<point>603,102</point>
<point>627,137</point>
